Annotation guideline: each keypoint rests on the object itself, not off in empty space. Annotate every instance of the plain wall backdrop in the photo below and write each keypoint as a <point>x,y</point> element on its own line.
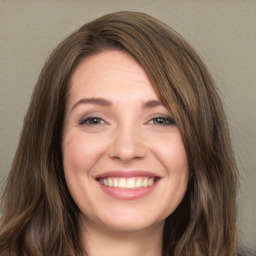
<point>222,31</point>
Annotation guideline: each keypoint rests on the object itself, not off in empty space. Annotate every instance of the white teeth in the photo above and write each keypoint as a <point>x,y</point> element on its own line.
<point>130,183</point>
<point>150,182</point>
<point>122,183</point>
<point>138,183</point>
<point>115,182</point>
<point>127,183</point>
<point>145,183</point>
<point>110,182</point>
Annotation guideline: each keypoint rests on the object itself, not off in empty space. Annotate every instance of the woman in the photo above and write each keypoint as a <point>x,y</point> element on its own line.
<point>125,150</point>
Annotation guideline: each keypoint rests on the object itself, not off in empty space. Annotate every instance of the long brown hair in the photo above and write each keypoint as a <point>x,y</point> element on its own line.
<point>39,215</point>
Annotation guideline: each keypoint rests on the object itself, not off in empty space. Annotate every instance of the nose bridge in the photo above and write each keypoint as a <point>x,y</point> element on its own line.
<point>127,143</point>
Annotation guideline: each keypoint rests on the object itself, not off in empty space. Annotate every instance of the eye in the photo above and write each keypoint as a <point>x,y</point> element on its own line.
<point>162,120</point>
<point>92,121</point>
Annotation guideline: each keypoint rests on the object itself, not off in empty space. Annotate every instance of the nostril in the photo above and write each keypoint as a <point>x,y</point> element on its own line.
<point>127,148</point>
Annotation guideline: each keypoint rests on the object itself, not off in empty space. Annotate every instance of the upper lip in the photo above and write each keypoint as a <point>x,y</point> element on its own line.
<point>127,174</point>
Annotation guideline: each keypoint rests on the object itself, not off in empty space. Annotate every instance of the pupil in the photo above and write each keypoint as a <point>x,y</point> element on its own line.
<point>160,120</point>
<point>95,121</point>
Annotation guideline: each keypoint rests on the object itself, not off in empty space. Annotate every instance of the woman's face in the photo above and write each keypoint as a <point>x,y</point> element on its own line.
<point>124,160</point>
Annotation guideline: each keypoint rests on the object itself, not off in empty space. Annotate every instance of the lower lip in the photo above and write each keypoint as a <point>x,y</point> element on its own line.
<point>128,194</point>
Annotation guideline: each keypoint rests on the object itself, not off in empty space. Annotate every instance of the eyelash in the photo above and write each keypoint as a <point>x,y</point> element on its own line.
<point>159,120</point>
<point>164,120</point>
<point>90,121</point>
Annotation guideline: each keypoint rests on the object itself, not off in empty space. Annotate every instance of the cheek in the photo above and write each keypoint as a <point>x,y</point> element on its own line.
<point>177,166</point>
<point>171,152</point>
<point>80,153</point>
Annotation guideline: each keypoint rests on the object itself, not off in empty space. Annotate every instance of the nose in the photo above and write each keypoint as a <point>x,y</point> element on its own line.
<point>127,144</point>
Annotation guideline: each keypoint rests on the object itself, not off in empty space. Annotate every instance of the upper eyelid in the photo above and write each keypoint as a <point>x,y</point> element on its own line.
<point>92,114</point>
<point>83,119</point>
<point>166,117</point>
<point>101,117</point>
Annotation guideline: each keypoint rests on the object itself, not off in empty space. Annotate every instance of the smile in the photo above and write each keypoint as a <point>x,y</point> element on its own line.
<point>128,183</point>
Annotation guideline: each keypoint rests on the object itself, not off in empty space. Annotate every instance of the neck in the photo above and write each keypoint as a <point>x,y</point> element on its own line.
<point>99,240</point>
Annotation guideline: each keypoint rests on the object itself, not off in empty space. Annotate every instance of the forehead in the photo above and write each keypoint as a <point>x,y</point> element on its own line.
<point>110,73</point>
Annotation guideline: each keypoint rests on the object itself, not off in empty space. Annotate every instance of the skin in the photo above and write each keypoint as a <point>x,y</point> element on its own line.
<point>131,131</point>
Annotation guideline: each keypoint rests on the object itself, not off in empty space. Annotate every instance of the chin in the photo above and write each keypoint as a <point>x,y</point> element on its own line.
<point>131,225</point>
<point>130,220</point>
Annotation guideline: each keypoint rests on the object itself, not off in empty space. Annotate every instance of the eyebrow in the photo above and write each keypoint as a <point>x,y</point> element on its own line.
<point>152,104</point>
<point>95,101</point>
<point>106,103</point>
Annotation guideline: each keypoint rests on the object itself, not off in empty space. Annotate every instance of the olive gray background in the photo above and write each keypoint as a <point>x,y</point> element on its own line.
<point>223,33</point>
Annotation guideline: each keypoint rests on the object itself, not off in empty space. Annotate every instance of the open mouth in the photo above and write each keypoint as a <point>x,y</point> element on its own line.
<point>128,183</point>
